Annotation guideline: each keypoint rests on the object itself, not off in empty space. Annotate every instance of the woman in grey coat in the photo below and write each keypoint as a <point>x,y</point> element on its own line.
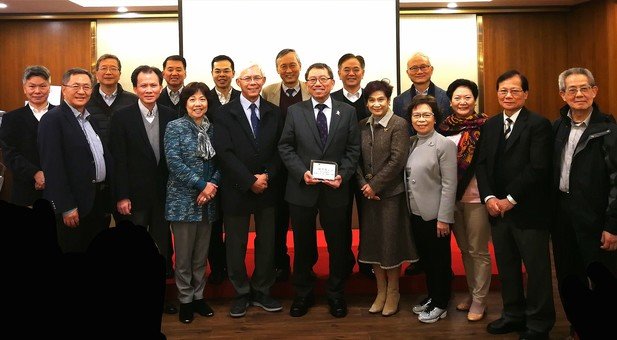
<point>431,188</point>
<point>385,237</point>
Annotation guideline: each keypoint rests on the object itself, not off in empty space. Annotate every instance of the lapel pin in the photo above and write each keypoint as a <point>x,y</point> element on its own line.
<point>338,113</point>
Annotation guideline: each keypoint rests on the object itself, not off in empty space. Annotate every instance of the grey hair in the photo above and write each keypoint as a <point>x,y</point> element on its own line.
<point>251,65</point>
<point>73,71</point>
<point>420,54</point>
<point>285,52</point>
<point>36,71</point>
<point>575,70</point>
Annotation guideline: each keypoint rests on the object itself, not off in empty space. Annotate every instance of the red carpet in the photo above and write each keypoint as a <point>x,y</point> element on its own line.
<point>357,283</point>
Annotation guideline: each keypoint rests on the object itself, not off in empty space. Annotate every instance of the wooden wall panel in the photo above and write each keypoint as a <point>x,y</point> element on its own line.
<point>611,93</point>
<point>58,45</point>
<point>532,43</point>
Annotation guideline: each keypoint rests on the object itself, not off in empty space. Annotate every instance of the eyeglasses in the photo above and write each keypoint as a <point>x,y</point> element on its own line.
<point>106,69</point>
<point>513,92</point>
<point>572,91</point>
<point>423,68</point>
<point>418,115</point>
<point>247,79</point>
<point>466,99</point>
<point>76,87</point>
<point>313,81</point>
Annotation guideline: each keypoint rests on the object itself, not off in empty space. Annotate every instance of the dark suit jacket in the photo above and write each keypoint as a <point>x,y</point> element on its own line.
<point>300,143</point>
<point>18,136</point>
<point>67,161</point>
<point>526,164</point>
<point>241,156</point>
<point>101,113</point>
<point>360,104</point>
<point>137,176</point>
<point>165,100</point>
<point>214,102</point>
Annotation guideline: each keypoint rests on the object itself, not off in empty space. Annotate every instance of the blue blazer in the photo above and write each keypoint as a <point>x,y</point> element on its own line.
<point>67,161</point>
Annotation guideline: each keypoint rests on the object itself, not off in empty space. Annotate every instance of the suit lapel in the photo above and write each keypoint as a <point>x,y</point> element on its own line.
<point>238,112</point>
<point>335,118</point>
<point>519,126</point>
<point>309,116</point>
<point>136,120</point>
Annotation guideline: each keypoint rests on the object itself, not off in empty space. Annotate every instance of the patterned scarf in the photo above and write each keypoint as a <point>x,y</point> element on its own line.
<point>469,127</point>
<point>204,146</point>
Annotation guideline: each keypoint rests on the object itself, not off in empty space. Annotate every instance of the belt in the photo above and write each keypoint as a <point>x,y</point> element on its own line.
<point>100,186</point>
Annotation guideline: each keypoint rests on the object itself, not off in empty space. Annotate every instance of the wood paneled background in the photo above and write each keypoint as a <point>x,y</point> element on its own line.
<point>59,45</point>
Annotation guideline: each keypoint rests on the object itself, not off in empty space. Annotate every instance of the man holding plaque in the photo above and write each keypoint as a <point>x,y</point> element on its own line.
<point>320,147</point>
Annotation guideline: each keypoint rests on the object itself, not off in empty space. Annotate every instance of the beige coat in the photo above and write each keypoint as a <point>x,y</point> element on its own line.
<point>272,93</point>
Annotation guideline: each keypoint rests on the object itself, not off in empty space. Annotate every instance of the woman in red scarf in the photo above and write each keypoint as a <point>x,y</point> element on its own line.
<point>471,227</point>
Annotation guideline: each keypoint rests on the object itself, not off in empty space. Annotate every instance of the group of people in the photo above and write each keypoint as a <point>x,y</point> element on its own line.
<point>195,161</point>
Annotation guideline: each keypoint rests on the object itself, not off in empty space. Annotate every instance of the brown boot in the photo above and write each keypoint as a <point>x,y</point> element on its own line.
<point>392,295</point>
<point>380,300</point>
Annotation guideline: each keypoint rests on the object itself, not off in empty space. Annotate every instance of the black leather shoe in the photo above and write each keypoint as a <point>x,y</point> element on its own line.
<point>202,308</point>
<point>501,326</point>
<point>282,274</point>
<point>338,307</point>
<point>367,270</point>
<point>301,305</point>
<point>533,335</point>
<point>186,313</point>
<point>170,308</point>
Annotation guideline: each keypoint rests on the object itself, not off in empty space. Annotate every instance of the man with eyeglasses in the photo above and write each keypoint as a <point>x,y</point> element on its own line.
<point>584,181</point>
<point>284,94</point>
<point>18,137</point>
<point>77,165</point>
<point>108,96</point>
<point>513,174</point>
<point>420,71</point>
<point>320,129</point>
<point>351,73</point>
<point>246,134</point>
<point>222,93</point>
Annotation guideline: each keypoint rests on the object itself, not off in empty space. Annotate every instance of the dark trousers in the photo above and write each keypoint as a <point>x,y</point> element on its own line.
<point>333,222</point>
<point>281,257</point>
<point>354,191</point>
<point>216,256</point>
<point>153,219</point>
<point>576,244</point>
<point>264,275</point>
<point>78,239</point>
<point>435,254</point>
<point>515,246</point>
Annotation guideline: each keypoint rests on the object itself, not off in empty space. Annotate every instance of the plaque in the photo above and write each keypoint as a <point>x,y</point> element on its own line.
<point>324,169</point>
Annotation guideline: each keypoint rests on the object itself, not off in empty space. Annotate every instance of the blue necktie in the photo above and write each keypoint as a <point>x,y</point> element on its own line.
<point>254,119</point>
<point>322,124</point>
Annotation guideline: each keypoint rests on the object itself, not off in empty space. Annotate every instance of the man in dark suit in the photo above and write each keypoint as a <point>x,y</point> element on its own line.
<point>351,72</point>
<point>246,133</point>
<point>223,72</point>
<point>174,72</point>
<point>76,164</point>
<point>584,183</point>
<point>140,167</point>
<point>18,136</point>
<point>319,129</point>
<point>513,174</point>
<point>108,96</point>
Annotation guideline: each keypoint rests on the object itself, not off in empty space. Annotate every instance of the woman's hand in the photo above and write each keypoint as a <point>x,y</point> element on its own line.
<point>443,229</point>
<point>207,194</point>
<point>368,192</point>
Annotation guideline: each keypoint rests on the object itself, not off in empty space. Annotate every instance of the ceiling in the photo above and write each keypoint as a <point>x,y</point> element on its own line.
<point>65,6</point>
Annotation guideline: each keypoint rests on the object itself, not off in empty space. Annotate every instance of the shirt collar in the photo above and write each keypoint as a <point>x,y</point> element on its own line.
<point>585,121</point>
<point>246,103</point>
<point>34,110</point>
<point>108,96</point>
<point>328,102</point>
<point>350,95</point>
<point>169,91</point>
<point>296,88</point>
<point>513,117</point>
<point>383,121</point>
<point>144,110</point>
<point>77,113</point>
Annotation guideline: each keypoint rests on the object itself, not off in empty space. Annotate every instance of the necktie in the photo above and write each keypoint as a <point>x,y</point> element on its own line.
<point>175,97</point>
<point>254,119</point>
<point>508,127</point>
<point>290,92</point>
<point>322,124</point>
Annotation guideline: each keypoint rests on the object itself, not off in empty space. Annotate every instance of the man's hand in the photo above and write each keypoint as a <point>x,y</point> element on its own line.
<point>309,180</point>
<point>334,183</point>
<point>504,205</point>
<point>124,206</point>
<point>609,241</point>
<point>443,229</point>
<point>261,184</point>
<point>492,207</point>
<point>71,219</point>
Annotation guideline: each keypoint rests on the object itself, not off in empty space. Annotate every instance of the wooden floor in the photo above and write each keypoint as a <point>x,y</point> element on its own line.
<point>359,324</point>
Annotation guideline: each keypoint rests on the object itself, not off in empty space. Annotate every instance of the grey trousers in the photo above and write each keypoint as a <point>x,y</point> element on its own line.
<point>191,242</point>
<point>236,238</point>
